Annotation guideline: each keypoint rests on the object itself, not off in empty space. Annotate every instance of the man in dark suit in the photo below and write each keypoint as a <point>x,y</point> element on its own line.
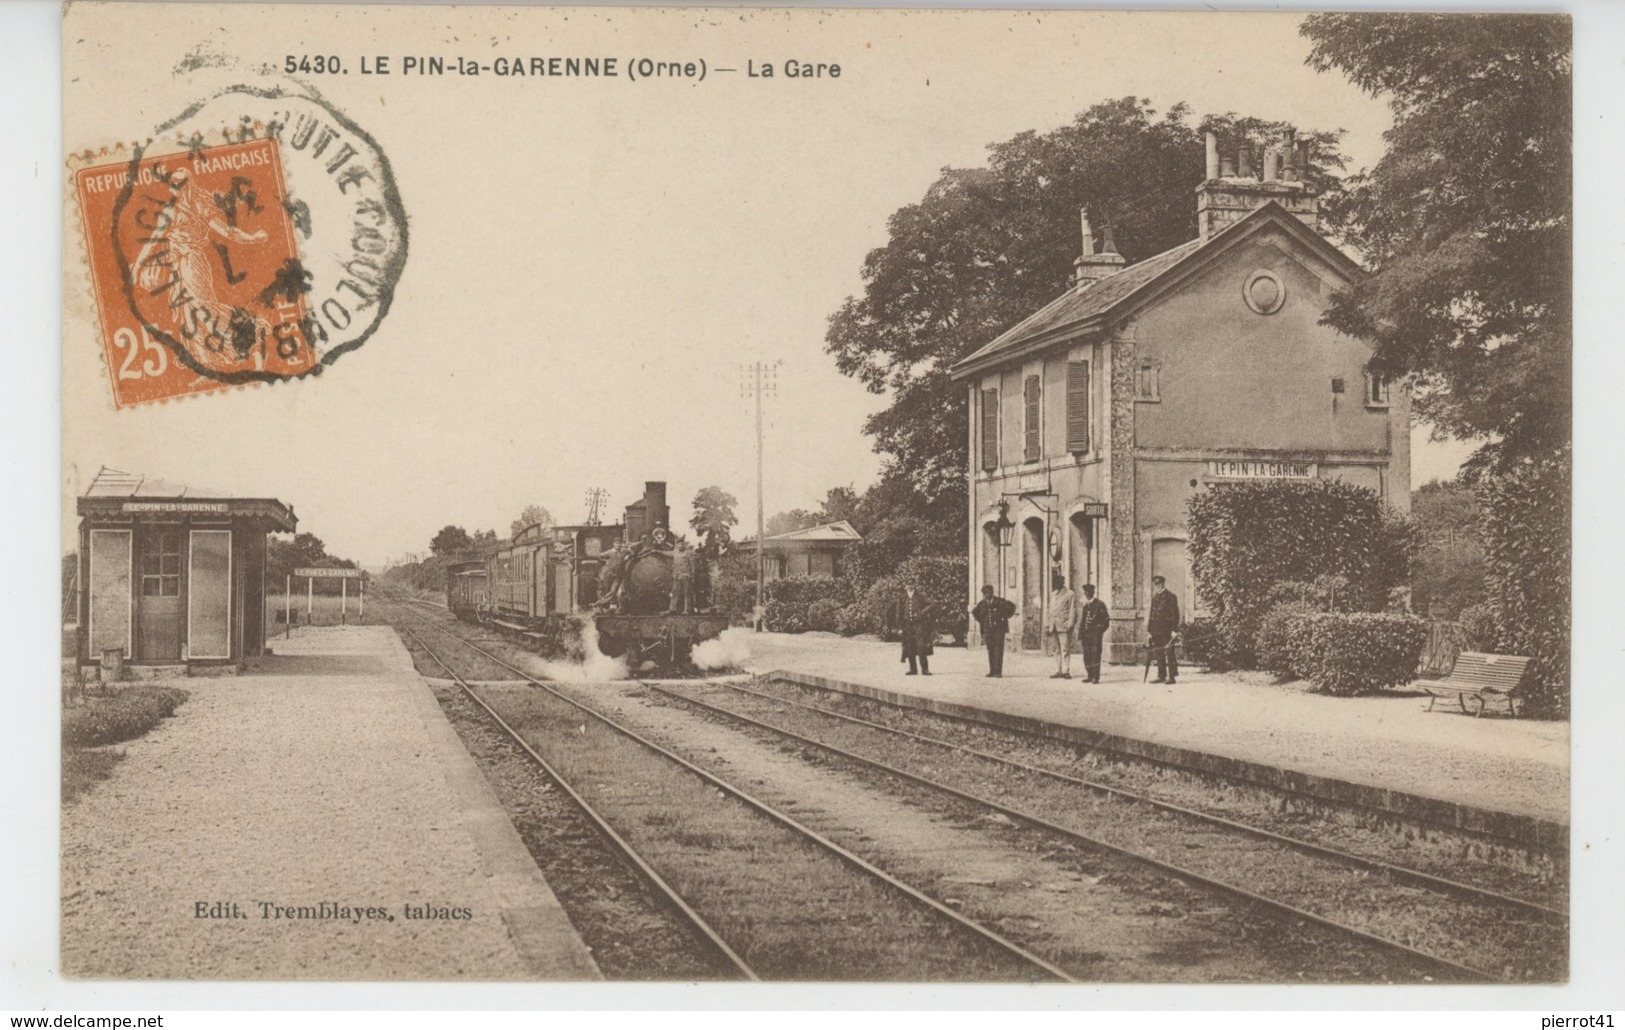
<point>917,618</point>
<point>993,615</point>
<point>1096,621</point>
<point>1163,627</point>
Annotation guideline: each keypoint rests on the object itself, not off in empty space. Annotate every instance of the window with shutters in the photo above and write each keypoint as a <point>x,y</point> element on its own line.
<point>1376,391</point>
<point>990,429</point>
<point>1077,407</point>
<point>1032,395</point>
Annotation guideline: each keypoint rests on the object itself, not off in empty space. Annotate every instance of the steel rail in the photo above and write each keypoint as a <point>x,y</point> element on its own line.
<point>1398,872</point>
<point>1469,972</point>
<point>852,858</point>
<point>643,868</point>
<point>1131,757</point>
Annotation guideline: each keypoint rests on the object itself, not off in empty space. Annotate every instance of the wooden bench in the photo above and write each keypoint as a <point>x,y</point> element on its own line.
<point>1479,679</point>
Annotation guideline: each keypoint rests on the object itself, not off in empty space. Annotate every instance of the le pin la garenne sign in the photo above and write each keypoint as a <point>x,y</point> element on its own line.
<point>1262,470</point>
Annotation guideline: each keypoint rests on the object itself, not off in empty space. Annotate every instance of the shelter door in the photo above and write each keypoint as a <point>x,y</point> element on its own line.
<point>1032,585</point>
<point>158,609</point>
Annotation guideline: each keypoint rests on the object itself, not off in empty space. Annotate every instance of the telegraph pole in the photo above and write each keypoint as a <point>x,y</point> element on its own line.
<point>759,378</point>
<point>595,500</point>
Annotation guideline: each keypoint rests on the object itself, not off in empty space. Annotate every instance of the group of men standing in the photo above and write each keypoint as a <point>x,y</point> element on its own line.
<point>1071,620</point>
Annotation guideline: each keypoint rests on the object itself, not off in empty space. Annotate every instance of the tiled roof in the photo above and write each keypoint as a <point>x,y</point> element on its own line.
<point>113,483</point>
<point>1076,306</point>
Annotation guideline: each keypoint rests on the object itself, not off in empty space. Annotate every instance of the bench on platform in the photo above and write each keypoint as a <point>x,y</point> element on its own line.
<point>1479,679</point>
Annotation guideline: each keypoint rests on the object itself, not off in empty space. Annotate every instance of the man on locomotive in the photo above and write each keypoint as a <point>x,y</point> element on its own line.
<point>682,579</point>
<point>611,575</point>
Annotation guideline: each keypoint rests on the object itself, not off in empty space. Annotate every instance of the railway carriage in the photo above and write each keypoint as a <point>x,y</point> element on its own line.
<point>466,594</point>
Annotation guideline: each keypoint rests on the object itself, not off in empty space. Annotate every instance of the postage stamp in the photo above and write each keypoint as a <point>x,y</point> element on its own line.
<point>195,269</point>
<point>214,261</point>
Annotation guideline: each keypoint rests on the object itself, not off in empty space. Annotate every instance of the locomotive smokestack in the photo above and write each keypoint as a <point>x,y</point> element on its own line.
<point>654,503</point>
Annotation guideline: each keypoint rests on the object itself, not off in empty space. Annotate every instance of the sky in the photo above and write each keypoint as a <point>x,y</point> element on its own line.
<point>592,264</point>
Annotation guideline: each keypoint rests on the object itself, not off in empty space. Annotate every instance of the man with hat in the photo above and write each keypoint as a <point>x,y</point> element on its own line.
<point>1163,628</point>
<point>1096,620</point>
<point>993,615</point>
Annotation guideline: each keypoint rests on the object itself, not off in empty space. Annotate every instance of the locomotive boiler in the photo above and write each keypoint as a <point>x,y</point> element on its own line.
<point>543,586</point>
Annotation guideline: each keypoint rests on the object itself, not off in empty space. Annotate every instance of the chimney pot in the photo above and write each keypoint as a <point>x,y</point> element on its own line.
<point>1227,169</point>
<point>1110,246</point>
<point>1088,233</point>
<point>1212,156</point>
<point>1244,163</point>
<point>1272,164</point>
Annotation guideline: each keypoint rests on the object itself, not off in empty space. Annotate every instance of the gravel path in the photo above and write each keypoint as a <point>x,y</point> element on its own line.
<point>1509,765</point>
<point>326,774</point>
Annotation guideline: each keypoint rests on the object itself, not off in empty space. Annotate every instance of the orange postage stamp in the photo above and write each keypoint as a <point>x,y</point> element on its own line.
<point>196,272</point>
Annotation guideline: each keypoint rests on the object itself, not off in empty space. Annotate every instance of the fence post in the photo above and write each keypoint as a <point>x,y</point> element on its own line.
<point>287,608</point>
<point>361,601</point>
<point>310,600</point>
<point>344,602</point>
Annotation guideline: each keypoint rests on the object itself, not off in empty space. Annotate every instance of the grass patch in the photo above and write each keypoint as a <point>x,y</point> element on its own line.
<point>82,770</point>
<point>125,715</point>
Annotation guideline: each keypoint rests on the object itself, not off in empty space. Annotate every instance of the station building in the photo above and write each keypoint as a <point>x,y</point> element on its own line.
<point>170,576</point>
<point>1095,419</point>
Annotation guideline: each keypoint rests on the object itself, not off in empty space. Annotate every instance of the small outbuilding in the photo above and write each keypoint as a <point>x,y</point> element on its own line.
<point>172,576</point>
<point>814,551</point>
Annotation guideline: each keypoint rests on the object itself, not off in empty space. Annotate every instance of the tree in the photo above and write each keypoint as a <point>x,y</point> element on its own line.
<point>451,540</point>
<point>485,538</point>
<point>713,519</point>
<point>1465,221</point>
<point>792,520</point>
<point>987,247</point>
<point>841,504</point>
<point>533,514</point>
<point>1448,575</point>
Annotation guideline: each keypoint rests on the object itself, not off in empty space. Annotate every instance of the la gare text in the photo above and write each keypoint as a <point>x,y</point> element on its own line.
<point>525,67</point>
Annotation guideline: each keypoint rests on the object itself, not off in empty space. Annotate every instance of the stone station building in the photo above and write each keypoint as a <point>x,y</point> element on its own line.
<point>1094,420</point>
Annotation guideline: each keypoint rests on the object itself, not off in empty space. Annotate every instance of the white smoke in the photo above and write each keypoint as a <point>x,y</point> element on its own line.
<point>731,650</point>
<point>596,667</point>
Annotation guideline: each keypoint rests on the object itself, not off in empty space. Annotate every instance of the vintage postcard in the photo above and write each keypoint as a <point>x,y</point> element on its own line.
<point>713,495</point>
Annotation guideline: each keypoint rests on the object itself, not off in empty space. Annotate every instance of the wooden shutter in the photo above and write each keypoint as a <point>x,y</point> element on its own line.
<point>1032,393</point>
<point>990,429</point>
<point>1077,406</point>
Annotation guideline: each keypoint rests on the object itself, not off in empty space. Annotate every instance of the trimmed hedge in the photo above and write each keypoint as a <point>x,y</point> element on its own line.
<point>125,716</point>
<point>1349,653</point>
<point>790,603</point>
<point>1248,538</point>
<point>1278,645</point>
<point>1197,645</point>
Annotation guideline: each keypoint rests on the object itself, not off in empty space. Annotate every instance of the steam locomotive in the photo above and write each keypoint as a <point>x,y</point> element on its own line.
<point>543,585</point>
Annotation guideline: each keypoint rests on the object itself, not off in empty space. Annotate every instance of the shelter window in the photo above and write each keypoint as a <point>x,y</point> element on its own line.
<point>1376,391</point>
<point>161,565</point>
<point>1032,394</point>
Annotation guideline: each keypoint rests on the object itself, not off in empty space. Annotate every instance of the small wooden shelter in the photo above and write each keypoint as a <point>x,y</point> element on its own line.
<point>170,575</point>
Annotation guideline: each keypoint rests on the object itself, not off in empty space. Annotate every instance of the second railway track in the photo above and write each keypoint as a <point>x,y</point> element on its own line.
<point>1424,943</point>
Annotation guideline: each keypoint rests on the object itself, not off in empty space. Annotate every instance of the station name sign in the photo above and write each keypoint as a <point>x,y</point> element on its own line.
<point>1261,469</point>
<point>320,573</point>
<point>194,507</point>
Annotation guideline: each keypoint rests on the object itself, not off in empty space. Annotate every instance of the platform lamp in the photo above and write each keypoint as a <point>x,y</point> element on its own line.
<point>1006,529</point>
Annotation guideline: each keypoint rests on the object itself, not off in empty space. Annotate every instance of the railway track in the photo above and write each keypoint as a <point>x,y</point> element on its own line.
<point>1490,905</point>
<point>1036,968</point>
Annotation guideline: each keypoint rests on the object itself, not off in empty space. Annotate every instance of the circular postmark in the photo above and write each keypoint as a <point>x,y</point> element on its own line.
<point>268,244</point>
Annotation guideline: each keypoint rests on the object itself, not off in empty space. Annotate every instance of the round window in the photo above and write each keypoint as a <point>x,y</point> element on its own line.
<point>1264,292</point>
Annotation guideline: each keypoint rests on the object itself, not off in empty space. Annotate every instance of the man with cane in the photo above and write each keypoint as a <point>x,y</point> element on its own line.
<point>1163,627</point>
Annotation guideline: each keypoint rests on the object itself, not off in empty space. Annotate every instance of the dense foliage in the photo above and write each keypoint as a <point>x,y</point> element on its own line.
<point>1527,553</point>
<point>986,247</point>
<point>1248,539</point>
<point>1466,220</point>
<point>1350,653</point>
<point>1448,575</point>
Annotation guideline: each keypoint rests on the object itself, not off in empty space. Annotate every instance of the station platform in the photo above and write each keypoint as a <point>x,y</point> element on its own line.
<point>1505,777</point>
<point>326,783</point>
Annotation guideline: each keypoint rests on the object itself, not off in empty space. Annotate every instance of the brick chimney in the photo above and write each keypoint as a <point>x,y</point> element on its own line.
<point>1226,196</point>
<point>1090,267</point>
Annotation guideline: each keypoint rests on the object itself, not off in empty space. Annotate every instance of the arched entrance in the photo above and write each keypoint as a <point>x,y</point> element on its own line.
<point>1032,584</point>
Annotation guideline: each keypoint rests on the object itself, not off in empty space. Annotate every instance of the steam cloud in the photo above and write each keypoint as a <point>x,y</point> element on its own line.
<point>731,650</point>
